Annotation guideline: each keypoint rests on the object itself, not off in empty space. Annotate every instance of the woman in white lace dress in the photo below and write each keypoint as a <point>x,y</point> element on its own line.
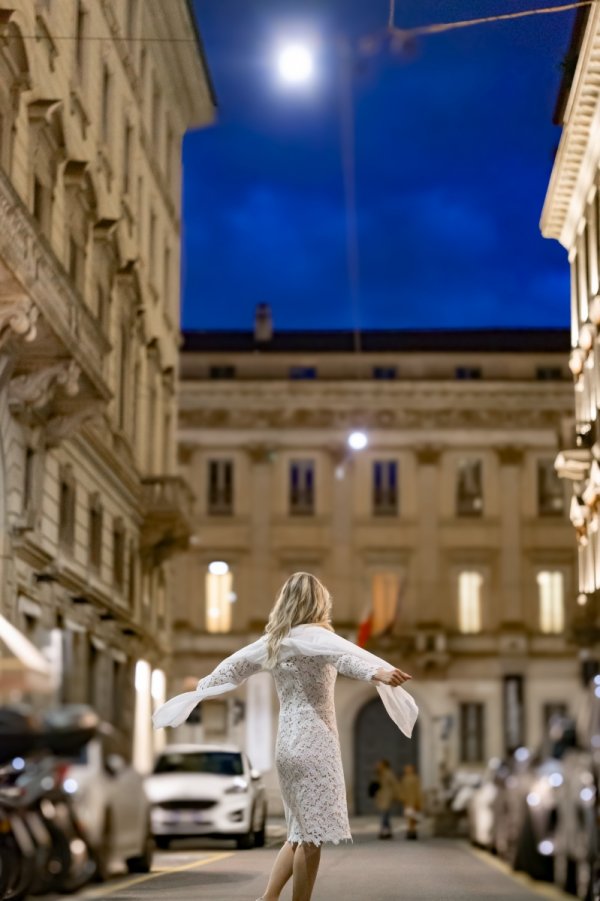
<point>304,655</point>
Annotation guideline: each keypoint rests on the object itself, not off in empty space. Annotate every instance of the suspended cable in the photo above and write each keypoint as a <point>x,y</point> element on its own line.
<point>440,27</point>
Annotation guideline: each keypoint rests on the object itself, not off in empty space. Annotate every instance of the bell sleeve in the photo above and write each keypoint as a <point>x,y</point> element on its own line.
<point>230,673</point>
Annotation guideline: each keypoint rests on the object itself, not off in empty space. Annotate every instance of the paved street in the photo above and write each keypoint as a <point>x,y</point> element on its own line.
<point>430,870</point>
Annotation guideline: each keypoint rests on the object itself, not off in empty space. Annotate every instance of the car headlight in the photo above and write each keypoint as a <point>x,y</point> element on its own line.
<point>238,787</point>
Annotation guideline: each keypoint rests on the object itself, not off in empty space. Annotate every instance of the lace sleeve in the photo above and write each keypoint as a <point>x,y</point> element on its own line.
<point>231,671</point>
<point>354,667</point>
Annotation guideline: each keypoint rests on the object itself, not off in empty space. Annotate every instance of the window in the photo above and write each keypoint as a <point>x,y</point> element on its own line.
<point>80,28</point>
<point>548,374</point>
<point>76,265</point>
<point>551,495</point>
<point>467,372</point>
<point>123,376</point>
<point>95,532</point>
<point>219,597</point>
<point>152,247</point>
<point>302,487</point>
<point>119,554</point>
<point>385,597</point>
<point>552,601</point>
<point>106,108</point>
<point>386,373</point>
<point>132,11</point>
<point>220,487</point>
<point>469,488</point>
<point>28,467</point>
<point>385,488</point>
<point>132,587</point>
<point>303,372</point>
<point>127,148</point>
<point>167,277</point>
<point>221,372</point>
<point>472,735</point>
<point>66,510</point>
<point>469,602</point>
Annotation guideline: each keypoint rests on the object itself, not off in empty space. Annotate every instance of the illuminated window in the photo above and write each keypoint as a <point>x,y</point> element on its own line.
<point>219,597</point>
<point>472,733</point>
<point>552,602</point>
<point>385,595</point>
<point>469,602</point>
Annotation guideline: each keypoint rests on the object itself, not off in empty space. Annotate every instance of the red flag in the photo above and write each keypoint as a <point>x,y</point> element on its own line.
<point>365,629</point>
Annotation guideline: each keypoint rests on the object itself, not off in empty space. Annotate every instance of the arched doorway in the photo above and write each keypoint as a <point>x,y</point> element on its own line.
<point>376,736</point>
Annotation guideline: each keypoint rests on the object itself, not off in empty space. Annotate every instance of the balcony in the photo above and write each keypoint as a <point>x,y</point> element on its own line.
<point>56,347</point>
<point>168,505</point>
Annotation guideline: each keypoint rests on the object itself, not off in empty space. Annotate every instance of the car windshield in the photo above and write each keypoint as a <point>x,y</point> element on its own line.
<point>218,763</point>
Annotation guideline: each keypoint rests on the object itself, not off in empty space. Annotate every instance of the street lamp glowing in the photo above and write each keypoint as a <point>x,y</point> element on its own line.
<point>296,64</point>
<point>358,441</point>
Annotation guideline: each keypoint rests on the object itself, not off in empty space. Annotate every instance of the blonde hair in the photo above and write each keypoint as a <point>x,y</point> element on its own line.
<point>302,599</point>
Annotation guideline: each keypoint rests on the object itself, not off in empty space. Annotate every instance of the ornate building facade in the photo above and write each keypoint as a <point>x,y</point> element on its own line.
<point>571,215</point>
<point>448,533</point>
<point>95,96</point>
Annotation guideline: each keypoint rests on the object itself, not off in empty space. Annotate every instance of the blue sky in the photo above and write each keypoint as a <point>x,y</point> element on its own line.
<point>454,146</point>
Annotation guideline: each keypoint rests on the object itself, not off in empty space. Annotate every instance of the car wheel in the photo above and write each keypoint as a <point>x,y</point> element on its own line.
<point>162,841</point>
<point>245,842</point>
<point>142,863</point>
<point>260,833</point>
<point>104,850</point>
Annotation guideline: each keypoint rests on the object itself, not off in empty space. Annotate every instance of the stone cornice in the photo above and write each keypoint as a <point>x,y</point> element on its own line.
<point>575,166</point>
<point>256,405</point>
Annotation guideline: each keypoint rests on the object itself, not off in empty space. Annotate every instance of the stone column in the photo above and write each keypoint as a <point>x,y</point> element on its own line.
<point>428,552</point>
<point>510,601</point>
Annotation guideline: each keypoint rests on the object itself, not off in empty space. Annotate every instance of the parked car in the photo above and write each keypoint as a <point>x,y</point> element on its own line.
<point>111,803</point>
<point>576,866</point>
<point>206,790</point>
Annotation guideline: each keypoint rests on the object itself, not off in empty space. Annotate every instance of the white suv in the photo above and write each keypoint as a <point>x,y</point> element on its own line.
<point>206,790</point>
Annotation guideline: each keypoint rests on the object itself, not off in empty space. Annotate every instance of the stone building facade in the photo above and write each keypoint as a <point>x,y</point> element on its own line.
<point>95,96</point>
<point>449,531</point>
<point>571,215</point>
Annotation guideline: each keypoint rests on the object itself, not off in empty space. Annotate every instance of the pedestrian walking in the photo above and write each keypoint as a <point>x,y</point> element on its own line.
<point>385,795</point>
<point>411,795</point>
<point>304,656</point>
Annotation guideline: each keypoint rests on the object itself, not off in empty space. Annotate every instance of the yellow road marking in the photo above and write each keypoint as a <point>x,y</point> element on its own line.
<point>165,871</point>
<point>543,889</point>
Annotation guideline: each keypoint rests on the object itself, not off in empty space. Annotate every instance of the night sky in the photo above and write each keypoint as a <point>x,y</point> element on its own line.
<point>454,146</point>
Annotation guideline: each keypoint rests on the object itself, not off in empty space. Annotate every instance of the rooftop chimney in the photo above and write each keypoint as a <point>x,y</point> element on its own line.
<point>263,323</point>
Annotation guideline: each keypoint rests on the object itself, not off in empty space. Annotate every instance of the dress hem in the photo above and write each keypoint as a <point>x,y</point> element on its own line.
<point>320,841</point>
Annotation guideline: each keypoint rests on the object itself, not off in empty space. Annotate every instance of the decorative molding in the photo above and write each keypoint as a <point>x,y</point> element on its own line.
<point>33,390</point>
<point>61,427</point>
<point>576,160</point>
<point>428,455</point>
<point>260,453</point>
<point>18,318</point>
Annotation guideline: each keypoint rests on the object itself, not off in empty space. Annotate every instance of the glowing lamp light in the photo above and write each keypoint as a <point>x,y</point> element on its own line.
<point>582,599</point>
<point>587,335</point>
<point>533,799</point>
<point>296,64</point>
<point>546,847</point>
<point>358,441</point>
<point>555,780</point>
<point>576,361</point>
<point>218,568</point>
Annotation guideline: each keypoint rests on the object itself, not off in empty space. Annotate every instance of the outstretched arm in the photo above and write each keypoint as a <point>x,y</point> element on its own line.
<point>225,677</point>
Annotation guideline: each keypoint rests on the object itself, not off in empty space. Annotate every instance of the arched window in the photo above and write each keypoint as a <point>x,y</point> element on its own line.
<point>14,78</point>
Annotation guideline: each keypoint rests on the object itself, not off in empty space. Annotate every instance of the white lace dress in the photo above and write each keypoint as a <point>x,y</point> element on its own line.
<point>307,756</point>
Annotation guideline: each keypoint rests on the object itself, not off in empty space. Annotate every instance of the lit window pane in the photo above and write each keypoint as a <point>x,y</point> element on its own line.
<point>552,602</point>
<point>219,594</point>
<point>469,602</point>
